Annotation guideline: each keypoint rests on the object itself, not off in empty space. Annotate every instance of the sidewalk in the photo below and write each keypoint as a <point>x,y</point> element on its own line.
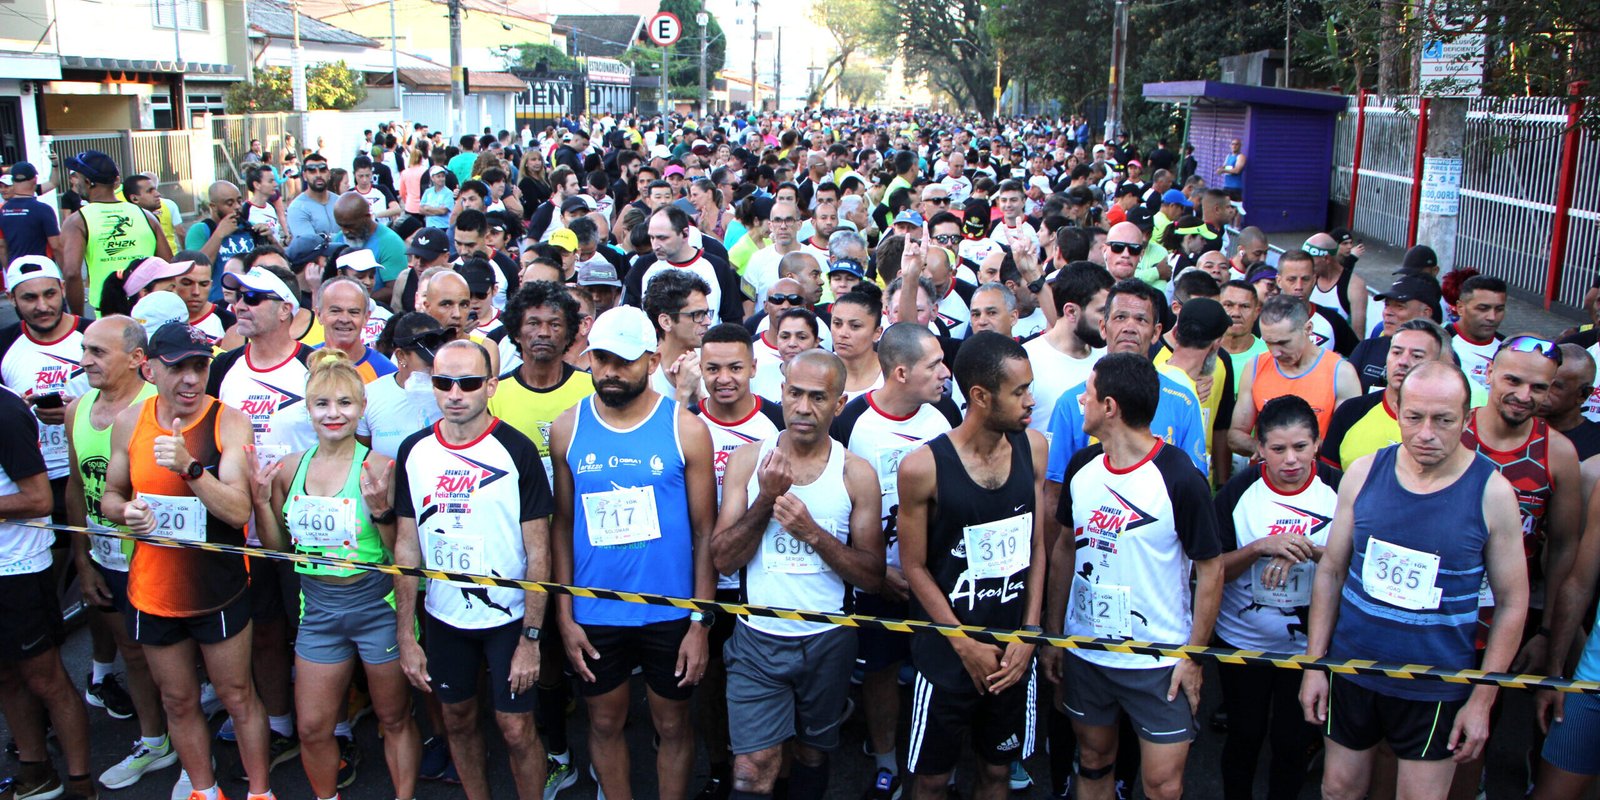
<point>1380,262</point>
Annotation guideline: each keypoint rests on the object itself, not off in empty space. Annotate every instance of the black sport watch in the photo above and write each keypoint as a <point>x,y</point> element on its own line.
<point>530,633</point>
<point>195,470</point>
<point>702,618</point>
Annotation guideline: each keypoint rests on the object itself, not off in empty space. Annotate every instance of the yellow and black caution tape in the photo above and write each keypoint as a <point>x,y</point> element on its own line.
<point>1226,655</point>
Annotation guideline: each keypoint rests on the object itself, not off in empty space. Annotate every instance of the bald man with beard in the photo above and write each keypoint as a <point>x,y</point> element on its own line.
<point>353,214</point>
<point>1338,287</point>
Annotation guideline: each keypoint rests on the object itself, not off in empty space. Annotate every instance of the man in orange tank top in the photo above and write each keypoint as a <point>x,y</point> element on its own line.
<point>179,465</point>
<point>1293,364</point>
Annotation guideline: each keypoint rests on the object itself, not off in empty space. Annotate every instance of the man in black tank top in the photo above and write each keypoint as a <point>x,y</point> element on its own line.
<point>972,547</point>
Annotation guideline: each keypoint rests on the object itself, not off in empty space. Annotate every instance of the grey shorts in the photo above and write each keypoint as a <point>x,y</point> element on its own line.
<point>341,621</point>
<point>1094,695</point>
<point>782,688</point>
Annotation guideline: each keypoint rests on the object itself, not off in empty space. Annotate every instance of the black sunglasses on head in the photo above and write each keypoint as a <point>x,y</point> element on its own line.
<point>427,342</point>
<point>253,298</point>
<point>468,383</point>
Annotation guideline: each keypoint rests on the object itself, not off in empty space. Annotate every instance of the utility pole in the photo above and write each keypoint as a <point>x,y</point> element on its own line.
<point>755,46</point>
<point>1288,35</point>
<point>777,73</point>
<point>1119,52</point>
<point>458,73</point>
<point>704,19</point>
<point>394,55</point>
<point>297,63</point>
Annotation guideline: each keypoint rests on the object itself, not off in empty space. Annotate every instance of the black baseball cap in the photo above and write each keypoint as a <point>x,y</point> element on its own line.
<point>1420,258</point>
<point>1341,235</point>
<point>1203,319</point>
<point>1126,188</point>
<point>176,341</point>
<point>23,171</point>
<point>479,275</point>
<point>428,244</point>
<point>1413,286</point>
<point>305,249</point>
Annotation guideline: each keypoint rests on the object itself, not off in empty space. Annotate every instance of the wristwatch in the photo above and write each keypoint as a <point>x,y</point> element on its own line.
<point>386,518</point>
<point>1037,286</point>
<point>195,470</point>
<point>1032,629</point>
<point>702,618</point>
<point>530,633</point>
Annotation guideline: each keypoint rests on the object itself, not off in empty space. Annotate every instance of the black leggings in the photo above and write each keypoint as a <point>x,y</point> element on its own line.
<point>1262,700</point>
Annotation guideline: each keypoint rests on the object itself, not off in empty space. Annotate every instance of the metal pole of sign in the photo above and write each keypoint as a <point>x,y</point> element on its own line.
<point>703,18</point>
<point>458,75</point>
<point>664,101</point>
<point>394,55</point>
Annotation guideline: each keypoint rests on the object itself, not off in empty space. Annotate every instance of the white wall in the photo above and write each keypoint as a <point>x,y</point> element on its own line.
<point>340,131</point>
<point>124,29</point>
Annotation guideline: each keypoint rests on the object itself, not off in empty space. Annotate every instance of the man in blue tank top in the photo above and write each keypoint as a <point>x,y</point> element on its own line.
<point>635,505</point>
<point>1401,593</point>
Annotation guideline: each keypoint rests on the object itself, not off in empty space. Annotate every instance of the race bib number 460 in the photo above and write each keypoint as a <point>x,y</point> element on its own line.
<point>1400,576</point>
<point>322,521</point>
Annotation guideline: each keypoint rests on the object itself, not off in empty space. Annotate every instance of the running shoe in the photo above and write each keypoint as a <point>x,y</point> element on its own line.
<point>885,787</point>
<point>210,703</point>
<point>282,749</point>
<point>1020,779</point>
<point>37,781</point>
<point>143,759</point>
<point>109,695</point>
<point>560,776</point>
<point>349,760</point>
<point>435,758</point>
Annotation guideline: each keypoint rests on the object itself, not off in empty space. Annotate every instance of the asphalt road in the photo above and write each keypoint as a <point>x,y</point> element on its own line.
<point>852,772</point>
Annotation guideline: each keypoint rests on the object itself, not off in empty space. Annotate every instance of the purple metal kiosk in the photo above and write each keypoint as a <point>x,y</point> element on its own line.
<point>1287,139</point>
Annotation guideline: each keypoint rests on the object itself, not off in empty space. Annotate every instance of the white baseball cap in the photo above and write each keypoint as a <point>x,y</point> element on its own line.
<point>26,268</point>
<point>261,280</point>
<point>159,308</point>
<point>358,260</point>
<point>623,331</point>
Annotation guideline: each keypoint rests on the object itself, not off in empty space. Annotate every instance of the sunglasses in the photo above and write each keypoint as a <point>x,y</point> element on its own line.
<point>468,383</point>
<point>786,299</point>
<point>1121,247</point>
<point>947,238</point>
<point>254,298</point>
<point>1531,344</point>
<point>938,201</point>
<point>427,342</point>
<point>783,220</point>
<point>314,168</point>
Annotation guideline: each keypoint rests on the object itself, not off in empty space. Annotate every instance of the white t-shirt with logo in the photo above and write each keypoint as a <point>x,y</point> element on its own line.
<point>32,367</point>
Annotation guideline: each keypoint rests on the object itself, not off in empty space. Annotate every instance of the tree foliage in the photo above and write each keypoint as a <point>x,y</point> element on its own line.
<point>860,85</point>
<point>947,45</point>
<point>683,64</point>
<point>329,86</point>
<point>856,26</point>
<point>529,55</point>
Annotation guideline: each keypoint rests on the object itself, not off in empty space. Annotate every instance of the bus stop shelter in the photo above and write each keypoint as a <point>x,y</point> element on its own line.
<point>1287,141</point>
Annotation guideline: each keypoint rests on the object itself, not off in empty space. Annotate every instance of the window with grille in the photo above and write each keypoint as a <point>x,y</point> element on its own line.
<point>191,13</point>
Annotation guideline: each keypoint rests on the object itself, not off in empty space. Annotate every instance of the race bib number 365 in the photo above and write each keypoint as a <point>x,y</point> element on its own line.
<point>1400,576</point>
